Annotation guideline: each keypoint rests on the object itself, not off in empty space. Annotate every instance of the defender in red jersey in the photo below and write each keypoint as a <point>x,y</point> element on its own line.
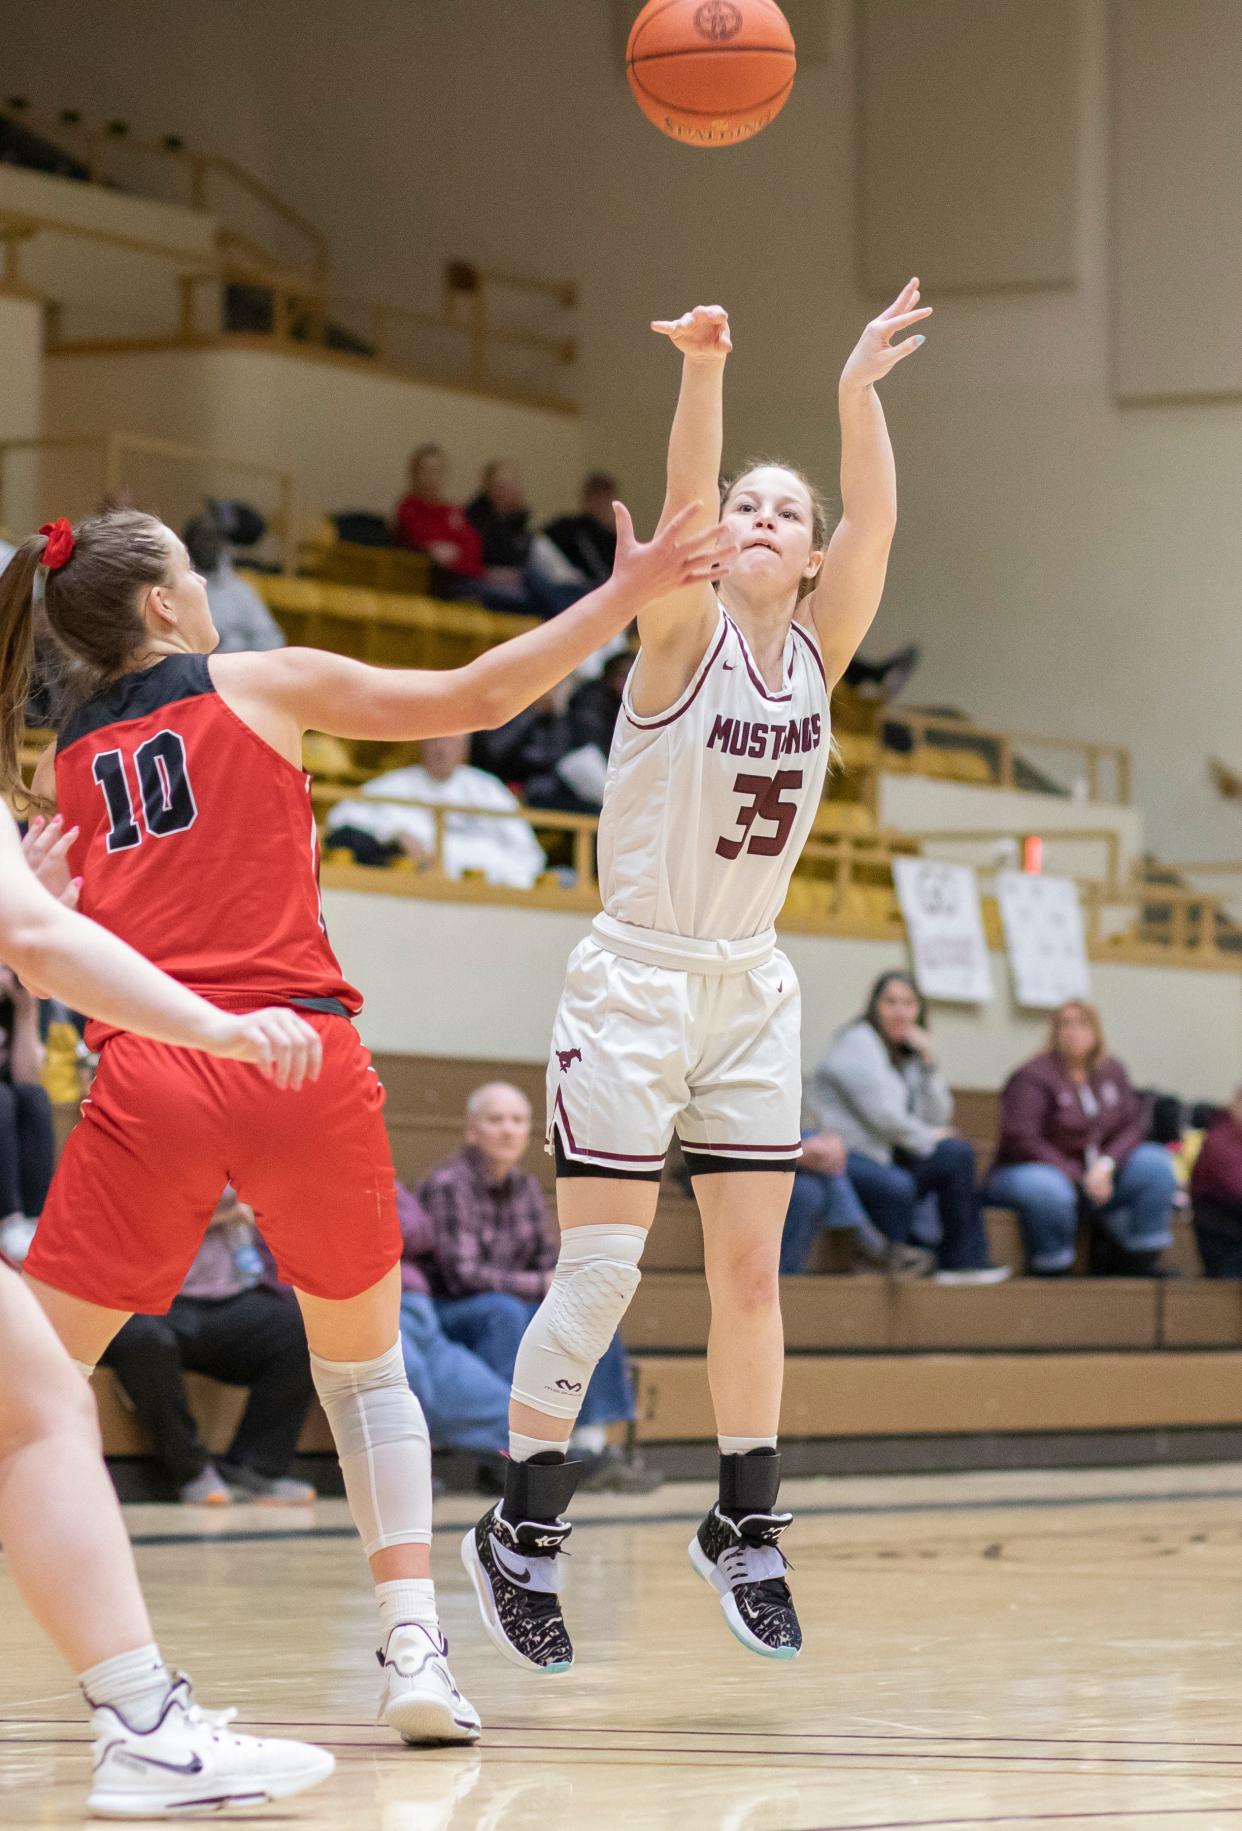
<point>180,777</point>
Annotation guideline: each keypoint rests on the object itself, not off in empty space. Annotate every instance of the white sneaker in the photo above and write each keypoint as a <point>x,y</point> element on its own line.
<point>979,1274</point>
<point>419,1699</point>
<point>192,1762</point>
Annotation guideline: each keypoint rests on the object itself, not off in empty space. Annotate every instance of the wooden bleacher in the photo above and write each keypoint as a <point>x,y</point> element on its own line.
<point>867,1358</point>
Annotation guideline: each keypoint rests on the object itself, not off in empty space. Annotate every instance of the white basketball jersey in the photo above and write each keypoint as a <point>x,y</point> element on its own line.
<point>708,805</point>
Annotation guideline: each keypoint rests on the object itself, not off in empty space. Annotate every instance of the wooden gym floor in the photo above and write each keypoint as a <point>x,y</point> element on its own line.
<point>986,1650</point>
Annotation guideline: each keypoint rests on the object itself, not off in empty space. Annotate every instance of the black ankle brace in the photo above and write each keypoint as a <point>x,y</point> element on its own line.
<point>539,1489</point>
<point>749,1483</point>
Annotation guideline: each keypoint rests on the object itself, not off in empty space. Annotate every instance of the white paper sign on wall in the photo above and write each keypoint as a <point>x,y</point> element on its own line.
<point>1044,936</point>
<point>940,903</point>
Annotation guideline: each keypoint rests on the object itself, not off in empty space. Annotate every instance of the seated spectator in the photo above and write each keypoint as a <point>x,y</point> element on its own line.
<point>494,1258</point>
<point>879,1090</point>
<point>500,515</point>
<point>588,539</point>
<point>377,831</point>
<point>234,1321</point>
<point>466,1404</point>
<point>1073,1142</point>
<point>27,1146</point>
<point>518,561</point>
<point>530,746</point>
<point>561,757</point>
<point>241,617</point>
<point>438,528</point>
<point>1216,1193</point>
<point>885,679</point>
<point>824,1200</point>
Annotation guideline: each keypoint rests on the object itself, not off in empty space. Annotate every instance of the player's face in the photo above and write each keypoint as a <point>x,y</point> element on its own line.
<point>769,511</point>
<point>897,1011</point>
<point>500,1128</point>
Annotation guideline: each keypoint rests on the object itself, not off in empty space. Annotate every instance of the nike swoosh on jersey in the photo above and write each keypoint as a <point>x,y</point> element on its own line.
<point>516,1574</point>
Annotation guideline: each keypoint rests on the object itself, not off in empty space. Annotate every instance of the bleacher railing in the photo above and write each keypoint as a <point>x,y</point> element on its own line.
<point>843,884</point>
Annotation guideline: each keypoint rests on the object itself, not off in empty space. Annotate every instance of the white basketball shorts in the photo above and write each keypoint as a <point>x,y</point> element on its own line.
<point>641,1051</point>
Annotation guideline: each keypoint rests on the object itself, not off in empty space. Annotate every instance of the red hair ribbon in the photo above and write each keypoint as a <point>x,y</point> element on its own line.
<point>60,543</point>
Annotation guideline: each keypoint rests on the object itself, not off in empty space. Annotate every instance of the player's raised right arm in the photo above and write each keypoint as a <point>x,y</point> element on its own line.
<point>675,631</point>
<point>60,954</point>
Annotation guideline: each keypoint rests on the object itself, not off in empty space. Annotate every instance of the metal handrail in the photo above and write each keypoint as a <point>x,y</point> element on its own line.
<point>1007,743</point>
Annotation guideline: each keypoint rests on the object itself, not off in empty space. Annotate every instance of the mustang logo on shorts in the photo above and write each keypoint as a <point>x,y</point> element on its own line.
<point>567,1058</point>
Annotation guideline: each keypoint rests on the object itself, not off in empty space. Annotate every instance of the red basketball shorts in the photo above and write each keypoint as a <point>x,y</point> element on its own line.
<point>165,1129</point>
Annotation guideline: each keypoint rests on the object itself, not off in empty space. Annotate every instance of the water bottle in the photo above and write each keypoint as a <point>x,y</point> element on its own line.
<point>247,1259</point>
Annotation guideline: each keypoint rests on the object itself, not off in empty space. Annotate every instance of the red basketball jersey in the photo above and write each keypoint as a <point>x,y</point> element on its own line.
<point>198,843</point>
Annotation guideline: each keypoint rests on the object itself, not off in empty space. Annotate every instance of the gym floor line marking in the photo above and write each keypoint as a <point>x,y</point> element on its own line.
<point>1009,1504</point>
<point>754,1735</point>
<point>496,1752</point>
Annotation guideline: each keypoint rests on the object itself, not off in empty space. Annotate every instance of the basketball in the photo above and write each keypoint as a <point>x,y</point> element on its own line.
<point>711,72</point>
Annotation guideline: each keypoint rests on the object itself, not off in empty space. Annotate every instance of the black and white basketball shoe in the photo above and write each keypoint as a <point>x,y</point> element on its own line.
<point>516,1572</point>
<point>743,1562</point>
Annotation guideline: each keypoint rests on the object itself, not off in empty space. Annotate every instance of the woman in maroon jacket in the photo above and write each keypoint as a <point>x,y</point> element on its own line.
<point>1073,1141</point>
<point>1216,1191</point>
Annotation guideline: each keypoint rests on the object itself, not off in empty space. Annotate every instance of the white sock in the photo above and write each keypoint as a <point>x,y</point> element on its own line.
<point>742,1446</point>
<point>84,1368</point>
<point>135,1684</point>
<point>591,1439</point>
<point>406,1599</point>
<point>521,1448</point>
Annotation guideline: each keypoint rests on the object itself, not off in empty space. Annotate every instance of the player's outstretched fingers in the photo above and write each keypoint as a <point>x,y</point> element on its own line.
<point>907,348</point>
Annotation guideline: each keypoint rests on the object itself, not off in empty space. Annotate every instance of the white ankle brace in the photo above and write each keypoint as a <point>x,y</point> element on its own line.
<point>381,1438</point>
<point>596,1276</point>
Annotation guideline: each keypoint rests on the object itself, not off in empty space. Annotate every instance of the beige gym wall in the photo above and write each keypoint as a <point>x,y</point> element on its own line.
<point>1068,562</point>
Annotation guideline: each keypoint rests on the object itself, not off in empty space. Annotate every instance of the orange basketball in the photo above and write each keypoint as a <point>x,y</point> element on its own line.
<point>711,72</point>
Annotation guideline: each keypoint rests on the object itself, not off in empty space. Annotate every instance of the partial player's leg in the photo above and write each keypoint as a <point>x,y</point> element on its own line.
<point>67,1547</point>
<point>740,1137</point>
<point>381,1438</point>
<point>317,1170</point>
<point>513,1555</point>
<point>737,1548</point>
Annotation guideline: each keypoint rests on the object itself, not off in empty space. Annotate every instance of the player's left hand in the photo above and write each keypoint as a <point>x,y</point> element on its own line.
<point>875,353</point>
<point>677,557</point>
<point>282,1045</point>
<point>46,850</point>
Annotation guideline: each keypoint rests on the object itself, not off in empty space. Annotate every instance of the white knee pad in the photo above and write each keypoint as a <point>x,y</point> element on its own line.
<point>381,1438</point>
<point>596,1276</point>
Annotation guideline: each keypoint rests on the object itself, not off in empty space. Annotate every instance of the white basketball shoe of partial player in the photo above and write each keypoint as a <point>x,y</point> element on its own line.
<point>420,1699</point>
<point>191,1761</point>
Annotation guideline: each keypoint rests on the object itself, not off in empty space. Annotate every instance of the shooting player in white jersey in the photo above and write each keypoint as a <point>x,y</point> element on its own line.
<point>679,1012</point>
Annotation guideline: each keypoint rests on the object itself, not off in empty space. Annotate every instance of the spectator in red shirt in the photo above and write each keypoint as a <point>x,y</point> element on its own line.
<point>1074,1140</point>
<point>493,1261</point>
<point>436,527</point>
<point>1216,1192</point>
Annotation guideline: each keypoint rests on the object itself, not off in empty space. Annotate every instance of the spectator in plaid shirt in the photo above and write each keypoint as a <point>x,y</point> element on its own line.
<point>493,1263</point>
